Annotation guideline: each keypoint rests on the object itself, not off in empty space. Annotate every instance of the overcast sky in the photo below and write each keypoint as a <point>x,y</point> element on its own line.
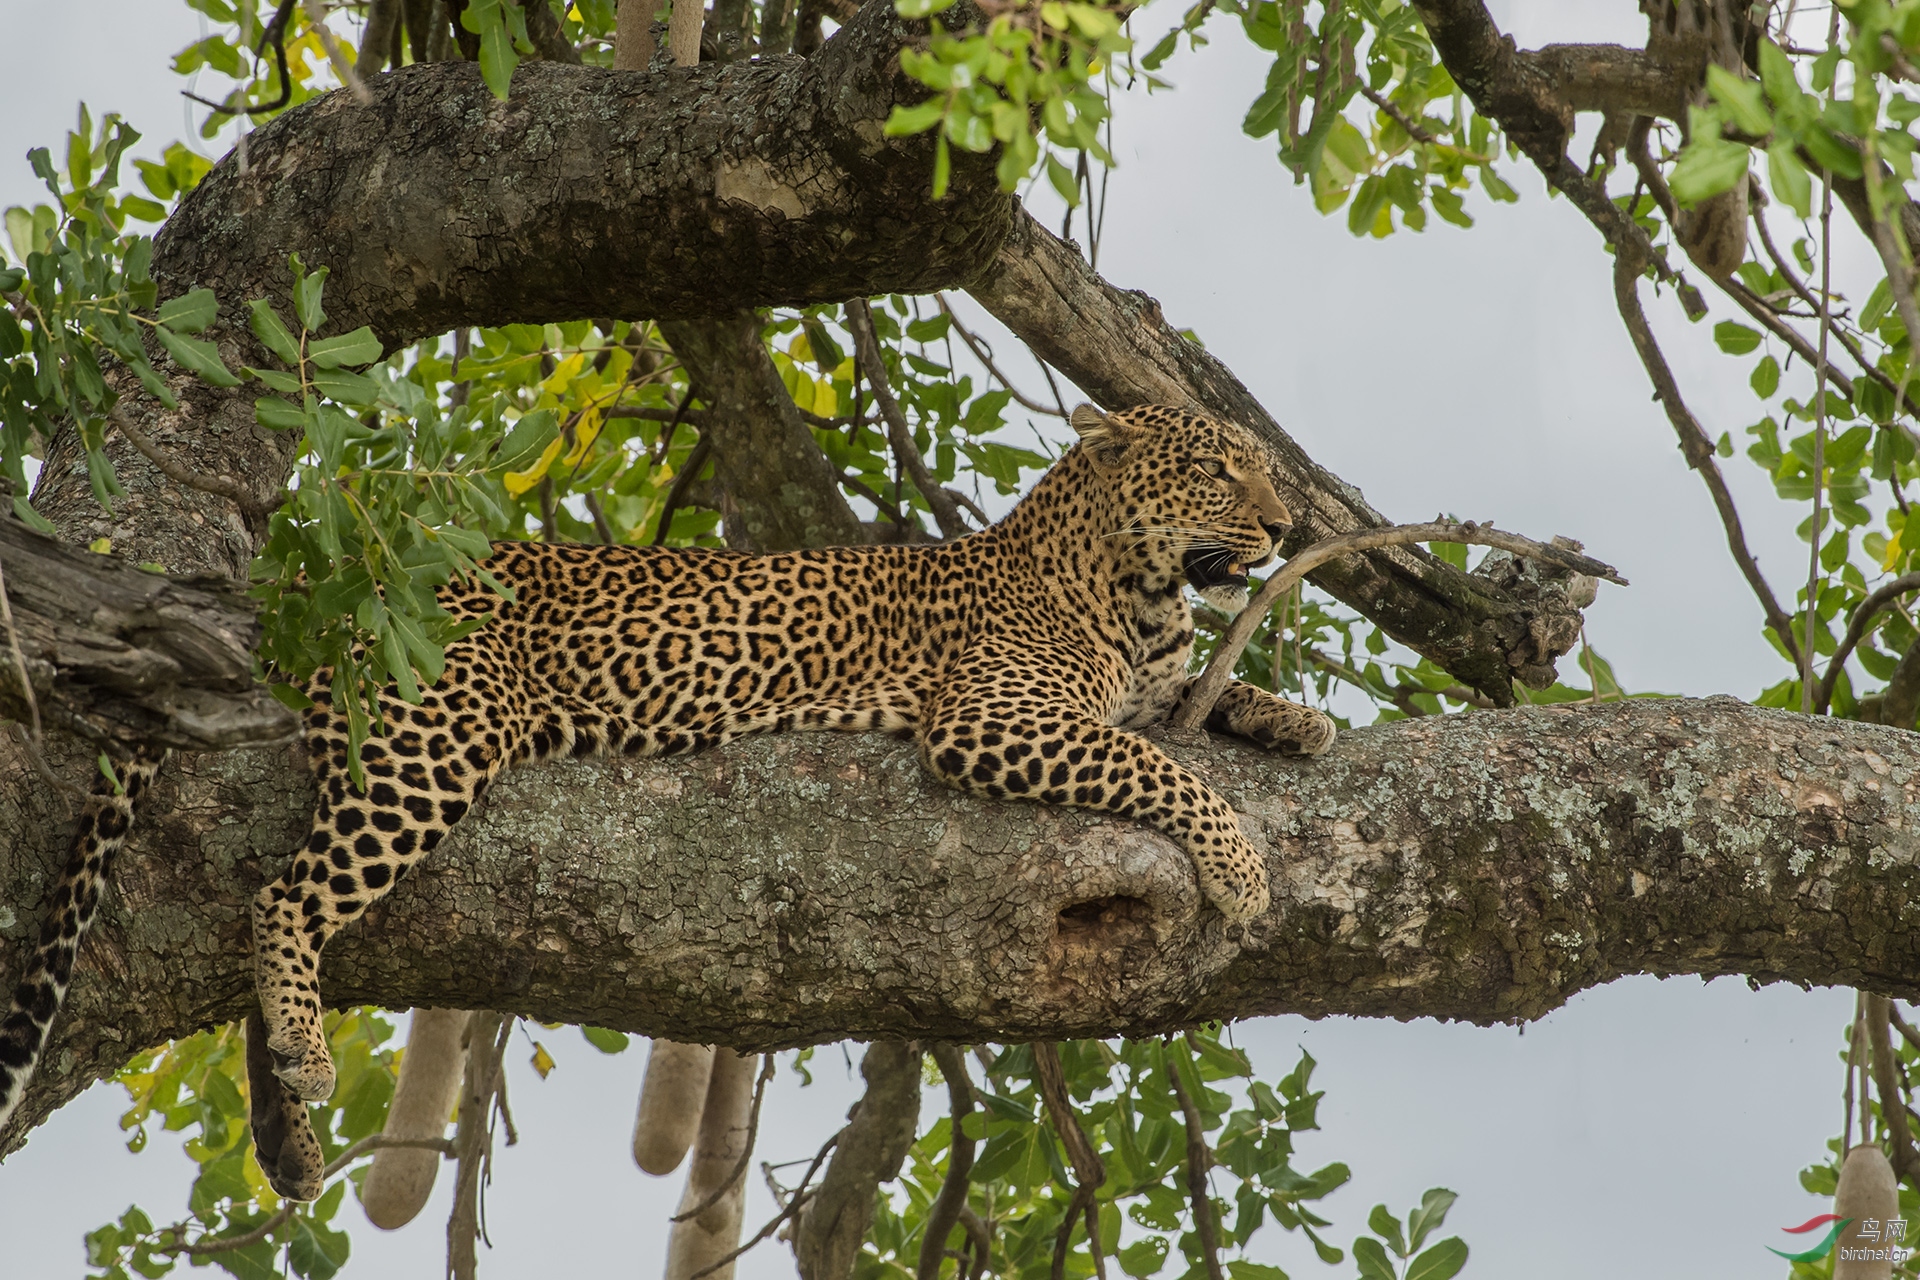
<point>1648,1128</point>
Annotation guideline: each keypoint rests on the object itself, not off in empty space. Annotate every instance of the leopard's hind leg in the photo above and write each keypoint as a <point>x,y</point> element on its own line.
<point>422,776</point>
<point>42,988</point>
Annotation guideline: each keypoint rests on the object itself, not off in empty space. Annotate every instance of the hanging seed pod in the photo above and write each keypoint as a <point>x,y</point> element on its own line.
<point>1870,1196</point>
<point>401,1178</point>
<point>702,1240</point>
<point>671,1099</point>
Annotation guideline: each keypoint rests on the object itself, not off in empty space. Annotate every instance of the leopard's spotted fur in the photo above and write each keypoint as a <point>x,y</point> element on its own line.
<point>1018,657</point>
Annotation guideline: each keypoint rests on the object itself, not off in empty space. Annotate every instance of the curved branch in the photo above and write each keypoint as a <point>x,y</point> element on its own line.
<point>1863,617</point>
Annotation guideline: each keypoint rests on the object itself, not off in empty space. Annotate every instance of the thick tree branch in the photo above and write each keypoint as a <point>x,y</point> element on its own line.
<point>788,494</point>
<point>1121,351</point>
<point>811,887</point>
<point>682,192</point>
<point>120,656</point>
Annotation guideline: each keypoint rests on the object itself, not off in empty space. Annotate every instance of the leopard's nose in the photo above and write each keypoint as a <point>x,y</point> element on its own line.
<point>1276,529</point>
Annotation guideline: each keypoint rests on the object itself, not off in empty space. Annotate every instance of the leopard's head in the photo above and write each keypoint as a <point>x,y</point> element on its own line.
<point>1193,495</point>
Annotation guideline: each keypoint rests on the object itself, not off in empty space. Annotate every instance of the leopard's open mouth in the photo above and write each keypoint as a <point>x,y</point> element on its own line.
<point>1208,567</point>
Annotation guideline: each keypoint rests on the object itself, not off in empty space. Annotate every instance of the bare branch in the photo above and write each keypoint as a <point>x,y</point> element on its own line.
<point>1199,1160</point>
<point>174,470</point>
<point>945,513</point>
<point>946,1207</point>
<point>1696,447</point>
<point>1863,617</point>
<point>1198,704</point>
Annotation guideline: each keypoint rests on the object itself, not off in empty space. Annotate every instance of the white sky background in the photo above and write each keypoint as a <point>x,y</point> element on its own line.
<point>1647,1128</point>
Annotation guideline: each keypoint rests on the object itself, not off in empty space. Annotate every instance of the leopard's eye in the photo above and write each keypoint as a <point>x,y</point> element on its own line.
<point>1212,466</point>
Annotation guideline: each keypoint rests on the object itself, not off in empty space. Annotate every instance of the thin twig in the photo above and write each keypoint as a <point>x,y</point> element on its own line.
<point>1207,689</point>
<point>1198,1160</point>
<point>689,470</point>
<point>1869,609</point>
<point>19,659</point>
<point>746,1152</point>
<point>372,1142</point>
<point>342,65</point>
<point>174,470</point>
<point>1399,117</point>
<point>793,1206</point>
<point>1695,446</point>
<point>1089,1171</point>
<point>985,357</point>
<point>945,513</point>
<point>952,1198</point>
<point>1819,441</point>
<point>275,31</point>
<point>600,525</point>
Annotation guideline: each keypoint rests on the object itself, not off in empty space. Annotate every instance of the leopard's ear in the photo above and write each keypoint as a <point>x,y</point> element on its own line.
<point>1105,439</point>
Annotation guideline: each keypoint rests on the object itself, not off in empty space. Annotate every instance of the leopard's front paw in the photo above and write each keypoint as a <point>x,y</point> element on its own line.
<point>1235,881</point>
<point>1288,727</point>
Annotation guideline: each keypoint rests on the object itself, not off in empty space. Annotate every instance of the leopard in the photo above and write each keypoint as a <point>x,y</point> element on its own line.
<point>1023,659</point>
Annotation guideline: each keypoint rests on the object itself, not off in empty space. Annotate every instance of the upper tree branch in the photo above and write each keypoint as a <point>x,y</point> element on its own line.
<point>812,887</point>
<point>687,191</point>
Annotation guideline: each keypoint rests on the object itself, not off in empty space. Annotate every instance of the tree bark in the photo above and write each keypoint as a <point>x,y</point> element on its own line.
<point>806,888</point>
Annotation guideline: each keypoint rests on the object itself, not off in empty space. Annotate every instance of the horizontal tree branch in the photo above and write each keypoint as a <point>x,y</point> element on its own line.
<point>670,193</point>
<point>800,888</point>
<point>120,656</point>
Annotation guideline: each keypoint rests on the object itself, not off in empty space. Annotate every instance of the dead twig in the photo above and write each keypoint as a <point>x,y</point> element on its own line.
<point>794,1206</point>
<point>1415,131</point>
<point>1207,689</point>
<point>945,513</point>
<point>985,357</point>
<point>342,65</point>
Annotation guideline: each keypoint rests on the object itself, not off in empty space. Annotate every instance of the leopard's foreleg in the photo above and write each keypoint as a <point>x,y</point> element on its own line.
<point>1015,749</point>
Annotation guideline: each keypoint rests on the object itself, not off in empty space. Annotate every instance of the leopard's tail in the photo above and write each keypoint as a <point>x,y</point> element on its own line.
<point>42,988</point>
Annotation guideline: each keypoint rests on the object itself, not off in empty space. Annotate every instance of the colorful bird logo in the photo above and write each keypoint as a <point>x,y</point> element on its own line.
<point>1825,1246</point>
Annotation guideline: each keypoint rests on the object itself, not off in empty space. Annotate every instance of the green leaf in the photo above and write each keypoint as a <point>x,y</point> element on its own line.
<point>1387,1227</point>
<point>197,356</point>
<point>357,348</point>
<point>1372,1259</point>
<point>306,299</point>
<point>1241,1269</point>
<point>1735,338</point>
<point>1144,1256</point>
<point>1707,167</point>
<point>277,415</point>
<point>1441,1262</point>
<point>1431,1213</point>
<point>1745,105</point>
<point>190,312</point>
<point>273,335</point>
<point>1789,178</point>
<point>284,383</point>
<point>604,1040</point>
<point>350,388</point>
<point>497,58</point>
<point>1766,377</point>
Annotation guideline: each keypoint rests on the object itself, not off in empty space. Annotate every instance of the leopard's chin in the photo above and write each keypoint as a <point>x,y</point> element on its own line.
<point>1228,597</point>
